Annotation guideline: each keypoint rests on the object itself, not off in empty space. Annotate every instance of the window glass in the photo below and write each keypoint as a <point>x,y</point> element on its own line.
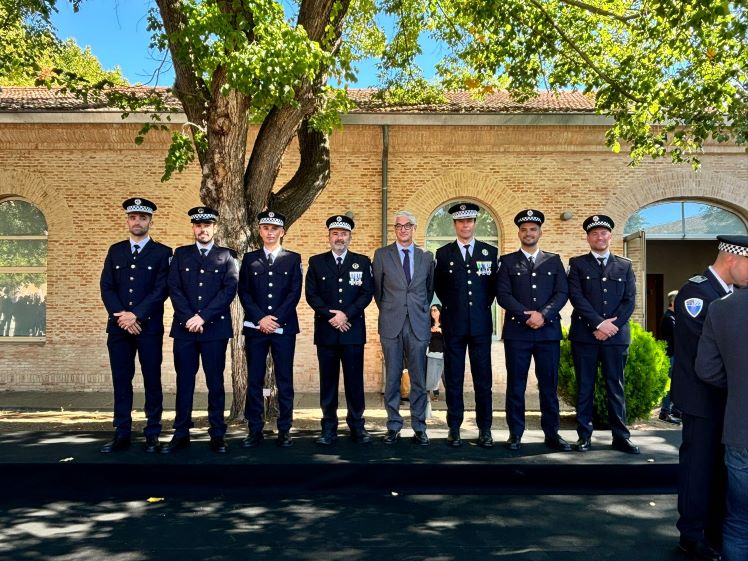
<point>684,220</point>
<point>23,271</point>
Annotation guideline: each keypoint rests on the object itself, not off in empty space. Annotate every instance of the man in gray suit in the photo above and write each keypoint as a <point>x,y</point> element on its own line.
<point>722,361</point>
<point>403,289</point>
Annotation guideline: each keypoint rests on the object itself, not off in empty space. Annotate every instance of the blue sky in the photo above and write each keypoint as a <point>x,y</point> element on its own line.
<point>116,32</point>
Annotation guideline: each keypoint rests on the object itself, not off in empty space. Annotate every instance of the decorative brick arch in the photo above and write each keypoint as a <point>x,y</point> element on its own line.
<point>484,189</point>
<point>31,186</point>
<point>727,191</point>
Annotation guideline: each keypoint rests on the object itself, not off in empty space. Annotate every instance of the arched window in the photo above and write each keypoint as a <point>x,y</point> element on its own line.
<point>683,220</point>
<point>440,231</point>
<point>23,271</point>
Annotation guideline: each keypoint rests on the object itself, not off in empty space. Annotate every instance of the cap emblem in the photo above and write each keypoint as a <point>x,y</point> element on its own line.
<point>137,201</point>
<point>529,213</point>
<point>595,218</point>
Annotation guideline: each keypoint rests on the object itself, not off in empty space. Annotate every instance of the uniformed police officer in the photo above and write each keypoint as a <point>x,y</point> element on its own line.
<point>465,283</point>
<point>202,284</point>
<point>602,289</point>
<point>701,485</point>
<point>531,287</point>
<point>339,286</point>
<point>133,289</point>
<point>269,290</point>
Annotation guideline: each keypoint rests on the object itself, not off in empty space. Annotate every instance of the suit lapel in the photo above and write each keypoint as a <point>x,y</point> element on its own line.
<point>715,283</point>
<point>542,256</point>
<point>331,264</point>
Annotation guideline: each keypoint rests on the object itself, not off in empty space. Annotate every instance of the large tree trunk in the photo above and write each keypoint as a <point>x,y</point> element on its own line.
<point>240,191</point>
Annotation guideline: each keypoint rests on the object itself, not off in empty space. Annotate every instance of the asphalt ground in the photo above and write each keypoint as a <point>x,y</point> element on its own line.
<point>62,499</point>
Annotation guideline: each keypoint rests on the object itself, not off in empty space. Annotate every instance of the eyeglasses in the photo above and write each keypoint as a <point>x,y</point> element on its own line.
<point>406,226</point>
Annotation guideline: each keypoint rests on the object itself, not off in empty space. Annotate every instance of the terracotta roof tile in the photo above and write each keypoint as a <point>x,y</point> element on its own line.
<point>22,99</point>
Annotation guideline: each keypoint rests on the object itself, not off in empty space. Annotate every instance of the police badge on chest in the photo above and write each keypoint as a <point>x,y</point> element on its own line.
<point>356,278</point>
<point>483,268</point>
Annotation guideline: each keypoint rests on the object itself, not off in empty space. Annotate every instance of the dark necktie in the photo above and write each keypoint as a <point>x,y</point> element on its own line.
<point>531,259</point>
<point>135,250</point>
<point>468,257</point>
<point>340,263</point>
<point>602,262</point>
<point>203,252</point>
<point>406,264</point>
<point>270,259</point>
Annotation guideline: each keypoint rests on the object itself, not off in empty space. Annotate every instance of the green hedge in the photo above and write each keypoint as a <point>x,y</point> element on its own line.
<point>645,377</point>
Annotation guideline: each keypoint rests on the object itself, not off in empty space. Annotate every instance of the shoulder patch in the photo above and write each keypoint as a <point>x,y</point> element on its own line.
<point>698,279</point>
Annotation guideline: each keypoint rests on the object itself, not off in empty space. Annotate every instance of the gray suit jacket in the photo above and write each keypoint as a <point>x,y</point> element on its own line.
<point>722,360</point>
<point>396,299</point>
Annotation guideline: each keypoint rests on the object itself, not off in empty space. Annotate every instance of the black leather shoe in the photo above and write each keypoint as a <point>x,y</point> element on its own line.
<point>284,439</point>
<point>361,437</point>
<point>625,445</point>
<point>583,445</point>
<point>218,445</point>
<point>485,439</point>
<point>699,550</point>
<point>669,418</point>
<point>514,443</point>
<point>117,444</point>
<point>175,444</point>
<point>391,437</point>
<point>421,438</point>
<point>557,443</point>
<point>253,439</point>
<point>453,438</point>
<point>326,438</point>
<point>152,445</point>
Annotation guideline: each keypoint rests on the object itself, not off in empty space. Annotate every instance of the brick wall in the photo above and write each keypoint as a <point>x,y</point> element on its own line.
<point>78,175</point>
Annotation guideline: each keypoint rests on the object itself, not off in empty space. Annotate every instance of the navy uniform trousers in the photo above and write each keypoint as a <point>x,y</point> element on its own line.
<point>330,358</point>
<point>122,350</point>
<point>188,353</point>
<point>612,360</point>
<point>282,349</point>
<point>547,355</point>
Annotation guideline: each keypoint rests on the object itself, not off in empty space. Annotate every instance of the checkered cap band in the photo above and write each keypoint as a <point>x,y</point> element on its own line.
<point>139,208</point>
<point>205,216</point>
<point>599,223</point>
<point>732,248</point>
<point>460,214</point>
<point>529,219</point>
<point>271,220</point>
<point>341,225</point>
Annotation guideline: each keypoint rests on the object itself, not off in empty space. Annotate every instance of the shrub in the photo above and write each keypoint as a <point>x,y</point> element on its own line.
<point>645,377</point>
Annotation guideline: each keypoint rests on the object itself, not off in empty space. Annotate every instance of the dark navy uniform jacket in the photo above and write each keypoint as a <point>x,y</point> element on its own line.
<point>544,289</point>
<point>690,394</point>
<point>598,295</point>
<point>273,290</point>
<point>350,291</point>
<point>204,286</point>
<point>136,285</point>
<point>466,297</point>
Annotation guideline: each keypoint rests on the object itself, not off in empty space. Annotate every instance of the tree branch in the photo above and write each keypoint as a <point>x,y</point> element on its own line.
<point>310,178</point>
<point>599,11</point>
<point>600,73</point>
<point>189,87</point>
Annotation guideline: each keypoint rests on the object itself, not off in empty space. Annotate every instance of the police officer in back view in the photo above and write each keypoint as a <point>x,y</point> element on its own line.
<point>701,484</point>
<point>202,284</point>
<point>532,288</point>
<point>133,289</point>
<point>602,289</point>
